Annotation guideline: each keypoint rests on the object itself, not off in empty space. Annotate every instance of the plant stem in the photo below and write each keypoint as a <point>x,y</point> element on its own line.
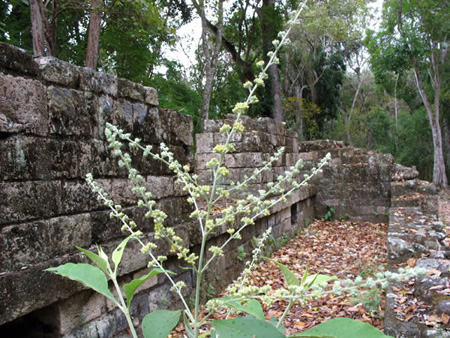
<point>123,307</point>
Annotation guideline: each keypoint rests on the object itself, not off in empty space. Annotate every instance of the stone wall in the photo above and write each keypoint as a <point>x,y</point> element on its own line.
<point>416,237</point>
<point>356,184</point>
<point>52,120</point>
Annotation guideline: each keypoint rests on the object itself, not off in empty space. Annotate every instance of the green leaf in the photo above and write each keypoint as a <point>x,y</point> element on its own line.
<point>87,275</point>
<point>343,328</point>
<point>251,306</point>
<point>245,328</point>
<point>99,261</point>
<point>159,323</point>
<point>291,279</point>
<point>130,288</point>
<point>118,252</point>
<point>318,279</point>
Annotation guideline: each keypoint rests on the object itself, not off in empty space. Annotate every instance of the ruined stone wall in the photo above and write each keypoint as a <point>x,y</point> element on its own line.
<point>52,120</point>
<point>356,184</point>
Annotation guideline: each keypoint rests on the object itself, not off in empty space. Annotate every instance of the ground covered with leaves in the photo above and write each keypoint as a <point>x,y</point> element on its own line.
<point>340,248</point>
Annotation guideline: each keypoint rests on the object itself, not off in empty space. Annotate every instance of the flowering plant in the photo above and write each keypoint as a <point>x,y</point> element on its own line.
<point>242,298</point>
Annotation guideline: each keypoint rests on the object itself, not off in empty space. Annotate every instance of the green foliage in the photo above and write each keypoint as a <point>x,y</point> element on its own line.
<point>251,307</point>
<point>159,323</point>
<point>329,215</point>
<point>130,288</point>
<point>343,328</point>
<point>241,254</point>
<point>246,328</point>
<point>86,274</point>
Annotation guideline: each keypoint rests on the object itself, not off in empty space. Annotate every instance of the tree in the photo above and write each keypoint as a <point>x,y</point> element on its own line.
<point>415,36</point>
<point>211,52</point>
<point>93,34</point>
<point>328,38</point>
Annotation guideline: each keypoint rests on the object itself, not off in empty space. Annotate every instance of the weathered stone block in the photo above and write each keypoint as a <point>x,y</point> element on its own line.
<point>17,288</point>
<point>25,157</point>
<point>23,107</point>
<point>22,201</point>
<point>181,128</point>
<point>205,142</point>
<point>30,243</point>
<point>151,96</point>
<point>122,115</point>
<point>57,71</point>
<point>77,197</point>
<point>16,59</point>
<point>96,82</point>
<point>83,307</point>
<point>70,112</point>
<point>130,90</point>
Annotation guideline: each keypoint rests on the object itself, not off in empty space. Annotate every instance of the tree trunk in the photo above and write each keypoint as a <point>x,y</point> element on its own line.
<point>299,116</point>
<point>43,33</point>
<point>37,28</point>
<point>439,174</point>
<point>93,34</point>
<point>273,91</point>
<point>277,109</point>
<point>211,55</point>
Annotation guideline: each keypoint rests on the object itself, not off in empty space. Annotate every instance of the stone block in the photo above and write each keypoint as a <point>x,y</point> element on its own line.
<point>244,160</point>
<point>202,159</point>
<point>29,243</point>
<point>102,107</point>
<point>97,82</point>
<point>28,157</point>
<point>151,127</point>
<point>70,112</point>
<point>22,201</point>
<point>23,106</point>
<point>59,72</point>
<point>103,227</point>
<point>82,307</point>
<point>122,115</point>
<point>151,96</point>
<point>205,142</point>
<point>45,288</point>
<point>161,186</point>
<point>181,129</point>
<point>17,60</point>
<point>130,90</point>
<point>77,197</point>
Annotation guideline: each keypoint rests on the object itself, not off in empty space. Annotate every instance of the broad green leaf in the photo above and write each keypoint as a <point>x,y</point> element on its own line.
<point>131,287</point>
<point>245,328</point>
<point>251,306</point>
<point>118,252</point>
<point>159,323</point>
<point>274,321</point>
<point>99,261</point>
<point>86,274</point>
<point>291,279</point>
<point>315,336</point>
<point>318,279</point>
<point>342,328</point>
